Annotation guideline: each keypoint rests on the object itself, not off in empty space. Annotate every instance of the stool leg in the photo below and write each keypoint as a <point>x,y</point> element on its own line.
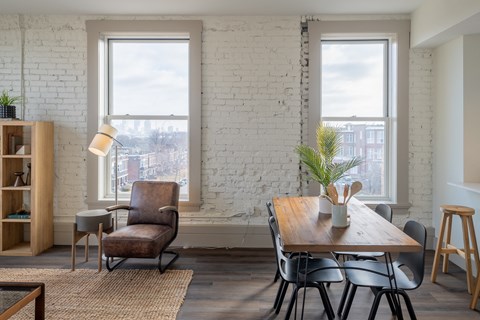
<point>468,255</point>
<point>74,245</point>
<point>447,242</point>
<point>436,259</point>
<point>473,238</point>
<point>86,247</point>
<point>99,238</point>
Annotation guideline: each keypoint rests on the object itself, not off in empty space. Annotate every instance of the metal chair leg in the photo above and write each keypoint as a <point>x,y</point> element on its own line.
<point>175,257</point>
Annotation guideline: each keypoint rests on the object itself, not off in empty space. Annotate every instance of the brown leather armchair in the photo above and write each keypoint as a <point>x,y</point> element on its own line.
<point>152,224</point>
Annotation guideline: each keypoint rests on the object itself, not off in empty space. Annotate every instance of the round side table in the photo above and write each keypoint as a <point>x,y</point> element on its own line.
<point>91,222</point>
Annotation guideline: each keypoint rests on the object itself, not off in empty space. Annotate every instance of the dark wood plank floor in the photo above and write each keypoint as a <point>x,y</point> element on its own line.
<point>237,284</point>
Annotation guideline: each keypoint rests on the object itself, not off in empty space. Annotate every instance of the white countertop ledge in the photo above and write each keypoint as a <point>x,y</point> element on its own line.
<point>470,186</point>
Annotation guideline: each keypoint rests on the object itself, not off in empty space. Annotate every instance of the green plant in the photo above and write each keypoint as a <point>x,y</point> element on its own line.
<point>6,100</point>
<point>320,162</point>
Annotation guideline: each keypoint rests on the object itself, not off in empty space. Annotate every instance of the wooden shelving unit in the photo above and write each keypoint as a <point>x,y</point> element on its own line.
<point>26,237</point>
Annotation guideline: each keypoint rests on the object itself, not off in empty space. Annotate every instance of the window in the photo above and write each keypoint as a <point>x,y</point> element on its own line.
<point>359,83</point>
<point>144,80</point>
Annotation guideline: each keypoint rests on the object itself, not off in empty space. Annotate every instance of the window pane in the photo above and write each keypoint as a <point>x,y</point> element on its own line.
<point>149,78</point>
<point>372,172</point>
<point>353,78</point>
<point>152,150</point>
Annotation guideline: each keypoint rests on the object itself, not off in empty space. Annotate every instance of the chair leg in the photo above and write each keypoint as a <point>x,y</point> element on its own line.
<point>326,302</point>
<point>349,302</point>
<point>279,293</point>
<point>344,297</point>
<point>408,302</point>
<point>291,303</point>
<point>376,302</point>
<point>282,297</point>
<point>175,257</point>
<point>111,268</point>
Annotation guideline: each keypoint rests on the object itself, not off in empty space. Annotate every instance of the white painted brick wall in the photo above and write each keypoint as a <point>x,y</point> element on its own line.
<point>251,110</point>
<point>420,136</point>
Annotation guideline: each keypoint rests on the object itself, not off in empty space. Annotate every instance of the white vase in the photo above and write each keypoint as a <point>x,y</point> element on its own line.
<point>324,205</point>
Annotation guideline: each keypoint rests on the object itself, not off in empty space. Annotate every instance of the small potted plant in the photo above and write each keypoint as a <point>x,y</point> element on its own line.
<point>7,107</point>
<point>320,162</point>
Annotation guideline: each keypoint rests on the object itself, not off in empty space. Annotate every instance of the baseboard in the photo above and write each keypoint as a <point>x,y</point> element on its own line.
<point>196,235</point>
<point>209,236</point>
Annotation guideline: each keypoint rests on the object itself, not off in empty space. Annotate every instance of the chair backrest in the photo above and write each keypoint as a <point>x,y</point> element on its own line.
<point>271,211</point>
<point>385,211</point>
<point>147,197</point>
<point>415,261</point>
<point>277,245</point>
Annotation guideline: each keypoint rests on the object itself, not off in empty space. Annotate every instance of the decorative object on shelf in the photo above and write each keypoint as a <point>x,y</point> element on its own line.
<point>21,213</point>
<point>23,149</point>
<point>321,162</point>
<point>101,145</point>
<point>19,180</point>
<point>28,180</point>
<point>13,143</point>
<point>7,109</point>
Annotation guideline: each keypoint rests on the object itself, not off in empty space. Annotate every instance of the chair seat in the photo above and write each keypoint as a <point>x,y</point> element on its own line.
<point>328,270</point>
<point>138,240</point>
<point>364,278</point>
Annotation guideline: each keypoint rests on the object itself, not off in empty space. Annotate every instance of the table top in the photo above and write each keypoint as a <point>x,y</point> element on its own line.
<point>303,228</point>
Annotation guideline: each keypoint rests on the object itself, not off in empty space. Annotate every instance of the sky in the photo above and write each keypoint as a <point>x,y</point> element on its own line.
<point>352,79</point>
<point>150,78</point>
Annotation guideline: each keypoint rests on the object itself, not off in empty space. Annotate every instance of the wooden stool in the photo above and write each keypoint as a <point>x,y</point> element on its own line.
<point>86,223</point>
<point>469,242</point>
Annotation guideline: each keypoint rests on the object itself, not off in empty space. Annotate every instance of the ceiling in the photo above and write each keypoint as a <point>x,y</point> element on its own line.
<point>208,7</point>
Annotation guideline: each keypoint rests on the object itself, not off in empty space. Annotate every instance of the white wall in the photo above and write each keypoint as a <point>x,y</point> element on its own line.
<point>253,93</point>
<point>456,128</point>
<point>438,21</point>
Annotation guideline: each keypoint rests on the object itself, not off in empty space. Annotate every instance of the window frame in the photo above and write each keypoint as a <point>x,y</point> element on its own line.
<point>397,149</point>
<point>98,31</point>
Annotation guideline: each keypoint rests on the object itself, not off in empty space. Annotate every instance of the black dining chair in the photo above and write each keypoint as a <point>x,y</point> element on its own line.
<point>383,210</point>
<point>295,270</point>
<point>373,274</point>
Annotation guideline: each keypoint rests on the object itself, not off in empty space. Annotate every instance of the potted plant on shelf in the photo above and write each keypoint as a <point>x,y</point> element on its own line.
<point>7,108</point>
<point>320,162</point>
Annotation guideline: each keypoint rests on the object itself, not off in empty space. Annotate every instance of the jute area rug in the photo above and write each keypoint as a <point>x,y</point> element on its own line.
<point>121,294</point>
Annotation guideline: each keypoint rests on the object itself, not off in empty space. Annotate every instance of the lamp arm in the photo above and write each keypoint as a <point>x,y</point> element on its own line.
<point>107,135</point>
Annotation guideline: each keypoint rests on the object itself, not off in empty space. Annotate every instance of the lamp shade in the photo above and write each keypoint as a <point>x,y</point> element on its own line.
<point>103,140</point>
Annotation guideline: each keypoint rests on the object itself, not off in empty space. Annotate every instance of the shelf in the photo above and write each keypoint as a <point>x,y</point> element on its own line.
<point>16,220</point>
<point>470,186</point>
<point>23,188</point>
<point>17,156</point>
<point>19,249</point>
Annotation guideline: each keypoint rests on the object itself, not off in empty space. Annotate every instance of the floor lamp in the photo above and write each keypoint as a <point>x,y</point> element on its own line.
<point>101,145</point>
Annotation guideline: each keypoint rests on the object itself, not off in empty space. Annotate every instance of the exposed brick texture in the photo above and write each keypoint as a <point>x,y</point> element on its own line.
<point>253,106</point>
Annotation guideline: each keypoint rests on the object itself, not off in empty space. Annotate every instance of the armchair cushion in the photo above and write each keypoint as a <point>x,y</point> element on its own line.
<point>144,240</point>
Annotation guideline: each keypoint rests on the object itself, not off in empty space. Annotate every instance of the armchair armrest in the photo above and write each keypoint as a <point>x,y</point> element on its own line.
<point>168,208</point>
<point>118,207</point>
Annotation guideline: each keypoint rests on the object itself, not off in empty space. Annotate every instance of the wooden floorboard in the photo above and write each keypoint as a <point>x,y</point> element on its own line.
<point>237,284</point>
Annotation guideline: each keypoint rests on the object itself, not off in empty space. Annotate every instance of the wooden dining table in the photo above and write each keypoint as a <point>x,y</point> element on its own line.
<point>303,228</point>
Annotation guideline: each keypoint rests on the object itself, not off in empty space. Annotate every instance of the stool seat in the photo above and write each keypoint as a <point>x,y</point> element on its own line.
<point>89,220</point>
<point>459,210</point>
<point>469,242</point>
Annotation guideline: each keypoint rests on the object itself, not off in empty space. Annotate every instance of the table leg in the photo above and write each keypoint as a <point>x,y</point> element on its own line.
<point>40,304</point>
